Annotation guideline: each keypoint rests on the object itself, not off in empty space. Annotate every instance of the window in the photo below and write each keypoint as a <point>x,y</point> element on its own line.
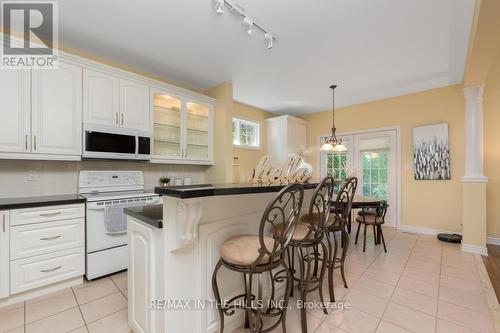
<point>375,173</point>
<point>246,133</point>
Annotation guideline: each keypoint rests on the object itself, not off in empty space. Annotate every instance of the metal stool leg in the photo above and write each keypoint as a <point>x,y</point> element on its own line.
<point>215,289</point>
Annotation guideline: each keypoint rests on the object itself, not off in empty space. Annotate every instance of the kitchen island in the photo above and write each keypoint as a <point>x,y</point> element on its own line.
<point>171,263</point>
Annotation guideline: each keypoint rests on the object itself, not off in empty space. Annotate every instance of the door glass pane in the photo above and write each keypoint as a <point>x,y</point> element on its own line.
<point>336,166</point>
<point>167,126</point>
<point>375,173</point>
<point>197,131</point>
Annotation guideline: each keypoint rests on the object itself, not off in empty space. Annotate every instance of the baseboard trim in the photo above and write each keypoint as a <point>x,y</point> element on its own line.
<point>482,250</point>
<point>423,230</point>
<point>493,240</point>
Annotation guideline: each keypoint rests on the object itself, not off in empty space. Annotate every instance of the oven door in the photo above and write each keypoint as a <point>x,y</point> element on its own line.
<point>109,144</point>
<point>98,235</point>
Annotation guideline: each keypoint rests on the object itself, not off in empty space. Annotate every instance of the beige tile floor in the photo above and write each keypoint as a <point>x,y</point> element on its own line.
<point>420,285</point>
<point>99,306</point>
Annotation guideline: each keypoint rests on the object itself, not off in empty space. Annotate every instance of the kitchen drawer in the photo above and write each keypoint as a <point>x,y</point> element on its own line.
<point>39,271</point>
<point>46,214</point>
<point>40,238</point>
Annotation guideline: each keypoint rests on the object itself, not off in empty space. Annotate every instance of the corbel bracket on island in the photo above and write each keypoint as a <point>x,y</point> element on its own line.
<point>187,216</point>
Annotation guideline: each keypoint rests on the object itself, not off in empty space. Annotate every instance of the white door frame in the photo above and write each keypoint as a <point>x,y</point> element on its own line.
<point>398,159</point>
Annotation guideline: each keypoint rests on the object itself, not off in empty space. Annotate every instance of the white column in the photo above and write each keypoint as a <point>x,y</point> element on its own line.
<point>473,135</point>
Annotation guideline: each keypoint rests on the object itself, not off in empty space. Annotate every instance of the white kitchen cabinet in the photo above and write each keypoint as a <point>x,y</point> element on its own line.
<point>143,277</point>
<point>15,111</point>
<point>39,248</point>
<point>113,101</point>
<point>56,110</point>
<point>4,254</point>
<point>183,128</point>
<point>134,105</point>
<point>101,98</point>
<point>285,134</point>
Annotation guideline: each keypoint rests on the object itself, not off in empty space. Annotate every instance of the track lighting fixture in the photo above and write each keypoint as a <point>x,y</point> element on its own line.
<point>250,25</point>
<point>219,7</point>
<point>270,40</point>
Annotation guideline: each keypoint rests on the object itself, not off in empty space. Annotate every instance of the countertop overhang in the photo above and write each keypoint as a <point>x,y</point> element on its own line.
<point>207,190</point>
<point>152,214</point>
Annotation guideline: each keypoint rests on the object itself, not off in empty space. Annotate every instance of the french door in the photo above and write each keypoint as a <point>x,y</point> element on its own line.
<point>372,158</point>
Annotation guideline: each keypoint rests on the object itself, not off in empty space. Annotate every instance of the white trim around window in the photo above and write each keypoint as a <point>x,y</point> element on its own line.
<point>252,134</point>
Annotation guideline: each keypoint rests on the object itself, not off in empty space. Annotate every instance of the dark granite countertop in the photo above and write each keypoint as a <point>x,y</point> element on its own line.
<point>49,200</point>
<point>152,214</point>
<point>206,190</point>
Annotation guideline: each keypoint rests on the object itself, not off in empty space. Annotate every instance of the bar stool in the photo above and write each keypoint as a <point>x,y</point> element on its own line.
<point>261,254</point>
<point>374,216</point>
<point>306,239</point>
<point>341,209</point>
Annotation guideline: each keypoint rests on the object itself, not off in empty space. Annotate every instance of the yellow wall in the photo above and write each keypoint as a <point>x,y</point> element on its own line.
<point>248,158</point>
<point>492,148</point>
<point>431,204</point>
<point>222,171</point>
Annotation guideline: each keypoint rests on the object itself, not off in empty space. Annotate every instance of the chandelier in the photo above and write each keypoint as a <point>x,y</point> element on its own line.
<point>332,143</point>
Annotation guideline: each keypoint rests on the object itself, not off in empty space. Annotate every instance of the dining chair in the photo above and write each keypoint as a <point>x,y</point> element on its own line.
<point>262,254</point>
<point>374,216</point>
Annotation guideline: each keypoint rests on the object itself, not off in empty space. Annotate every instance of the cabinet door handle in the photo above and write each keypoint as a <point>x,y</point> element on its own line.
<point>122,119</point>
<point>26,141</point>
<point>116,118</point>
<point>50,238</point>
<point>50,214</point>
<point>50,270</point>
<point>3,218</point>
<point>34,142</point>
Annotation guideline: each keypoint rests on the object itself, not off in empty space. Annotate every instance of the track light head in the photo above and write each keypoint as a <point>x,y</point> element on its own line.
<point>270,40</point>
<point>249,23</point>
<point>219,7</point>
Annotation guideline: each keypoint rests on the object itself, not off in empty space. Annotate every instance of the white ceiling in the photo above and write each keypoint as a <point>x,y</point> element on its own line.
<point>371,48</point>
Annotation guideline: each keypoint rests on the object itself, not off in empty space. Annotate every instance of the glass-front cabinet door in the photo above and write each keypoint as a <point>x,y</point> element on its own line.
<point>182,129</point>
<point>167,126</point>
<point>197,131</point>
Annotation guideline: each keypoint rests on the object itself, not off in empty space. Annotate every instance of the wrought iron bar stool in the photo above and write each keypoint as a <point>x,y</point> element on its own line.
<point>374,216</point>
<point>261,254</point>
<point>341,209</point>
<point>306,240</point>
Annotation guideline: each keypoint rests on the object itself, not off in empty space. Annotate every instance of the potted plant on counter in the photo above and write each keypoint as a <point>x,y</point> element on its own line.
<point>164,181</point>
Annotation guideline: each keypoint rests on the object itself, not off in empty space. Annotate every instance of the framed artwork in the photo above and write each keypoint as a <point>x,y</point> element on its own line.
<point>431,152</point>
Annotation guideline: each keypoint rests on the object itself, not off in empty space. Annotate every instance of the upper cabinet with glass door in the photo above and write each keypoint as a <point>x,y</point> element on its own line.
<point>183,129</point>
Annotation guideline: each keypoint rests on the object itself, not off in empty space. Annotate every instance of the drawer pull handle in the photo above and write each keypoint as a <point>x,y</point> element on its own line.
<point>50,270</point>
<point>50,238</point>
<point>50,214</point>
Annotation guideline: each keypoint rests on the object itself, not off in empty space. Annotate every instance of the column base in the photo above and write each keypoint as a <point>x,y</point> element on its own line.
<point>482,250</point>
<point>474,217</point>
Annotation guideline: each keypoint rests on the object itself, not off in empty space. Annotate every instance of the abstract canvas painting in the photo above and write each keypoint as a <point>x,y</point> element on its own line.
<point>431,152</point>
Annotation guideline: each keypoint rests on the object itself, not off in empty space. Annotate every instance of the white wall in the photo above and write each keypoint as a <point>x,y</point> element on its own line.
<point>56,177</point>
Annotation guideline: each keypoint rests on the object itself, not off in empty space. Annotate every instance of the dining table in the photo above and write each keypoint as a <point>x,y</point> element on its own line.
<point>363,201</point>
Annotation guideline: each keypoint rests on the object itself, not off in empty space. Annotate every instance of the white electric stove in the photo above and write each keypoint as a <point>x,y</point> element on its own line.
<point>107,194</point>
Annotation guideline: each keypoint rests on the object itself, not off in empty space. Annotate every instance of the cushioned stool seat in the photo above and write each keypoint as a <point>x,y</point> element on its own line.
<point>369,219</point>
<point>300,232</point>
<point>243,250</point>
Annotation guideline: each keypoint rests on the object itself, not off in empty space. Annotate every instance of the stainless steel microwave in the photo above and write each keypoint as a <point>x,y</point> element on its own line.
<point>102,142</point>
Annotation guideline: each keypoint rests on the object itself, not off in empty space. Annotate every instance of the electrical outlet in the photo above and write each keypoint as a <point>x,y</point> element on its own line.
<point>32,176</point>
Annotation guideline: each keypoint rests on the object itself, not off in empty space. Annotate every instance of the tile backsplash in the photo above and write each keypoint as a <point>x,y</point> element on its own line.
<point>20,178</point>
